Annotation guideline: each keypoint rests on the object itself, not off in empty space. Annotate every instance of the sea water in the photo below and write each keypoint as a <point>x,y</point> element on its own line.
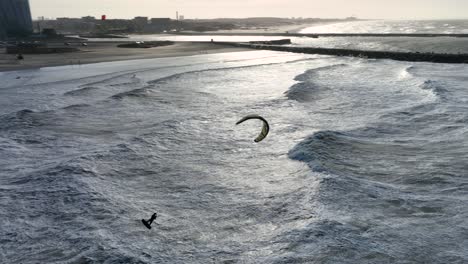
<point>365,161</point>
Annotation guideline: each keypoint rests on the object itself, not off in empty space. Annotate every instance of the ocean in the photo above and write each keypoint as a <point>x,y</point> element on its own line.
<point>365,161</point>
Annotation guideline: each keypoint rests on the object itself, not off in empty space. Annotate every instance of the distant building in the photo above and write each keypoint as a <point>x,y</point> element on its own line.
<point>15,18</point>
<point>140,23</point>
<point>160,24</point>
<point>88,19</point>
<point>66,25</point>
<point>116,26</point>
<point>163,20</point>
<point>181,17</point>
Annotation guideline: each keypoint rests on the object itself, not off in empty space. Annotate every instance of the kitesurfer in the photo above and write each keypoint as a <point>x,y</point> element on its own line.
<point>148,223</point>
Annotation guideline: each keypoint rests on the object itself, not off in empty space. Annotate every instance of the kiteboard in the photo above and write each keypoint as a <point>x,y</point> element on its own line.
<point>146,223</point>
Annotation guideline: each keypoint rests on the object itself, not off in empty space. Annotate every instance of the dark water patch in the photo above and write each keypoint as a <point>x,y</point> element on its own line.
<point>54,174</point>
<point>46,201</point>
<point>451,128</point>
<point>66,170</point>
<point>326,151</point>
<point>435,87</point>
<point>430,180</point>
<point>24,112</point>
<point>326,241</point>
<point>306,90</point>
<point>28,141</point>
<point>361,221</point>
<point>308,75</point>
<point>423,121</point>
<point>85,91</point>
<point>76,106</point>
<point>21,119</point>
<point>410,70</point>
<point>124,84</point>
<point>159,127</point>
<point>366,153</point>
<point>137,93</point>
<point>141,94</point>
<point>141,141</point>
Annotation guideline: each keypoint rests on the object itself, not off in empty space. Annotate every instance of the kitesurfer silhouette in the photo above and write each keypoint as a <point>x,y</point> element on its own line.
<point>148,223</point>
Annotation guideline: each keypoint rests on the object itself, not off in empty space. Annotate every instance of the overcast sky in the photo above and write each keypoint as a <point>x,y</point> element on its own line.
<point>391,9</point>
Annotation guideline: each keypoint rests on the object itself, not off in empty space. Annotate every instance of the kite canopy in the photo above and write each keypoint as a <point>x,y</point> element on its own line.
<point>265,129</point>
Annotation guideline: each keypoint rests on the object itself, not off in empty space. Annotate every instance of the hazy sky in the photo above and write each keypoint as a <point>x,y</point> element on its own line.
<point>392,9</point>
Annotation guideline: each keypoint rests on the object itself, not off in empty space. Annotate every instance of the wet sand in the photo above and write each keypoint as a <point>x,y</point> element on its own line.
<point>108,51</point>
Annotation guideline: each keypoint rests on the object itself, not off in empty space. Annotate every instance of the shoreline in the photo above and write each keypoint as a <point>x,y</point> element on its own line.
<point>97,52</point>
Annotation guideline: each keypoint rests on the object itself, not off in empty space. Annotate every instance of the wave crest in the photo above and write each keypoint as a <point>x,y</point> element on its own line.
<point>81,92</point>
<point>435,88</point>
<point>306,90</point>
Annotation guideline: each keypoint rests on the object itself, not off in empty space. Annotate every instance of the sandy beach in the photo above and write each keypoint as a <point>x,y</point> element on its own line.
<point>108,51</point>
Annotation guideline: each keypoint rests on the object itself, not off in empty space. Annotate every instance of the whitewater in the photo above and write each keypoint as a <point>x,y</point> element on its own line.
<point>365,161</point>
